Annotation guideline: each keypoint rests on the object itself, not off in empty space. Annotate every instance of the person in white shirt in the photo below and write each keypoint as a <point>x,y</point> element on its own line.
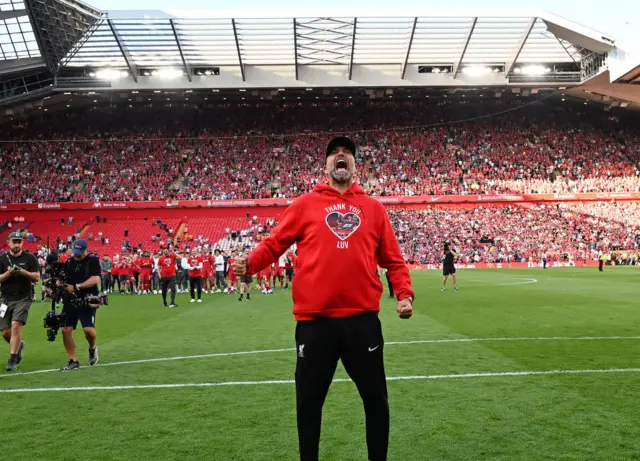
<point>155,279</point>
<point>220,281</point>
<point>282,264</point>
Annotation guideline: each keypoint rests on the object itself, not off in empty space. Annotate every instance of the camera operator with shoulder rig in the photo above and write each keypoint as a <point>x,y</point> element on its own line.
<point>82,276</point>
<point>18,269</point>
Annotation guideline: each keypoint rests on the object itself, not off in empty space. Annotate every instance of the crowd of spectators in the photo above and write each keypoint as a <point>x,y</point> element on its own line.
<point>517,233</point>
<point>262,151</point>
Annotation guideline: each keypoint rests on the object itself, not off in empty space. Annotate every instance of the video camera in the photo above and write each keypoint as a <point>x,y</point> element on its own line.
<point>91,301</point>
<point>56,289</point>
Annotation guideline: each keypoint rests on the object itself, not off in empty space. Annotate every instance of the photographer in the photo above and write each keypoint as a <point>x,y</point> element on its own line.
<point>82,276</point>
<point>18,270</point>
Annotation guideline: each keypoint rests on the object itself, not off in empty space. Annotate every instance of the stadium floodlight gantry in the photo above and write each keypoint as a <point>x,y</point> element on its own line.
<point>77,47</point>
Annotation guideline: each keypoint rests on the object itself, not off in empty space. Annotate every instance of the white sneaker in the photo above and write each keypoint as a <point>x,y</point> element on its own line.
<point>199,300</point>
<point>192,301</point>
<point>226,290</point>
<point>218,290</point>
<point>155,292</point>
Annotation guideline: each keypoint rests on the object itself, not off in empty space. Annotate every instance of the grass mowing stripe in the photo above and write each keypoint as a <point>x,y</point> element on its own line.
<point>337,380</point>
<point>392,343</point>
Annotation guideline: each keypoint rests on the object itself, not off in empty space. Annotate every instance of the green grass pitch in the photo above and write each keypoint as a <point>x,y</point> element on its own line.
<point>506,417</point>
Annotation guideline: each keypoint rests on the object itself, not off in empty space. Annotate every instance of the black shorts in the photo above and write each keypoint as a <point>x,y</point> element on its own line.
<point>124,278</point>
<point>289,272</point>
<point>246,279</point>
<point>448,270</point>
<point>86,316</point>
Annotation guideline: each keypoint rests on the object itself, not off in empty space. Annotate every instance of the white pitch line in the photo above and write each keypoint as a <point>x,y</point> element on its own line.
<point>337,380</point>
<point>523,282</point>
<point>390,343</point>
<point>533,338</point>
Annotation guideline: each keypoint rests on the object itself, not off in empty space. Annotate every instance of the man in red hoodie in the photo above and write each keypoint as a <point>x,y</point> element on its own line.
<point>342,236</point>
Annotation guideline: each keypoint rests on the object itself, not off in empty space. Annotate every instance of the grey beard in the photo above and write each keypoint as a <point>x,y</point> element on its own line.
<point>341,177</point>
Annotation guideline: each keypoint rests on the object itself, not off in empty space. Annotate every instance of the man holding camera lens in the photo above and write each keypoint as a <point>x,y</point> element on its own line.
<point>82,276</point>
<point>18,270</point>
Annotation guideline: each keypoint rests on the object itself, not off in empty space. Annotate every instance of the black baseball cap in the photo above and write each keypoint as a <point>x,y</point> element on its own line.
<point>16,236</point>
<point>340,141</point>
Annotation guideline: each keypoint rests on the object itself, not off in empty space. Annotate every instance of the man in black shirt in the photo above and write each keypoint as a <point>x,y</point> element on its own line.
<point>448,267</point>
<point>18,270</point>
<point>82,276</point>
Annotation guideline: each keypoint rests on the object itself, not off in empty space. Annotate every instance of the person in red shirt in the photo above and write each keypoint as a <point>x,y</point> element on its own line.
<point>123,274</point>
<point>260,280</point>
<point>290,267</point>
<point>115,271</point>
<point>195,262</point>
<point>245,280</point>
<point>146,271</point>
<point>128,275</point>
<point>135,273</point>
<point>266,279</point>
<point>167,264</point>
<point>341,235</point>
<point>233,280</point>
<point>67,254</point>
<point>206,273</point>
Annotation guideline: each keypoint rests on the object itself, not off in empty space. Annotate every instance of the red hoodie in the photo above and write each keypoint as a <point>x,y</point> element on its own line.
<point>341,238</point>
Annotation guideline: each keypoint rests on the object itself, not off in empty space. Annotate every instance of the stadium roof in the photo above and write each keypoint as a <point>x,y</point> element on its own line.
<point>84,49</point>
<point>452,37</point>
<point>69,33</point>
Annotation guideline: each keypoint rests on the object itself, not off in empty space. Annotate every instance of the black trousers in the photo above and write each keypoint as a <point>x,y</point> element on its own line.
<point>195,283</point>
<point>167,283</point>
<point>107,282</point>
<point>600,263</point>
<point>358,342</point>
<point>390,285</point>
<point>220,281</point>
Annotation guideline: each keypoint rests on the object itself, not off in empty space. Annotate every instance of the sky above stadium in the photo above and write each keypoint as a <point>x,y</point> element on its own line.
<point>620,19</point>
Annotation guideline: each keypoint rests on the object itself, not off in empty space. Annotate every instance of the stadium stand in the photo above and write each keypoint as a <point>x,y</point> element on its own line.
<point>517,233</point>
<point>537,149</point>
<point>250,152</point>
